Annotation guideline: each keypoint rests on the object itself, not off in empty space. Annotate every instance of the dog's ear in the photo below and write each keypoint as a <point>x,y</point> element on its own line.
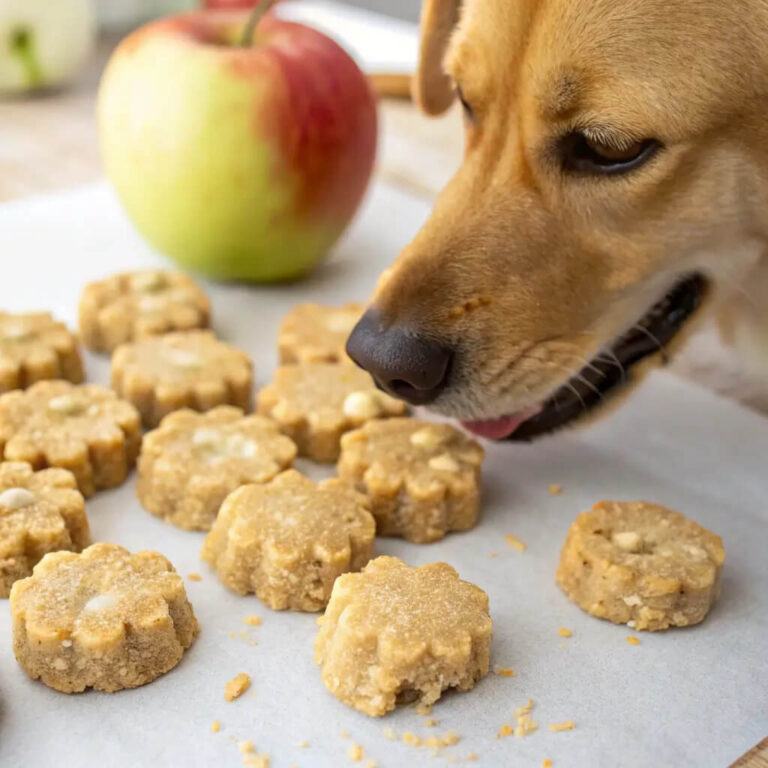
<point>432,88</point>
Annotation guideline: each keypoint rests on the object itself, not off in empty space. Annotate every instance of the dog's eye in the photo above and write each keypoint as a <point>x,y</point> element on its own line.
<point>465,105</point>
<point>582,154</point>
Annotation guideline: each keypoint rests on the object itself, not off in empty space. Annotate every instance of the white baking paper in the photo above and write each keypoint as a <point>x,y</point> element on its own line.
<point>693,697</point>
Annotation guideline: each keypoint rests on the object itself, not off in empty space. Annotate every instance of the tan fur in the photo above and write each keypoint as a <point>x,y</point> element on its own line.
<point>530,272</point>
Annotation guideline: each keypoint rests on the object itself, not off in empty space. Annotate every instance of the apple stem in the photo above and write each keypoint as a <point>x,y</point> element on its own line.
<point>253,21</point>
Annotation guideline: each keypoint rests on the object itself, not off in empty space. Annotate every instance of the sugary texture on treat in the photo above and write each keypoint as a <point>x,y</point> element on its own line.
<point>316,403</point>
<point>35,347</point>
<point>134,305</point>
<point>313,333</point>
<point>641,564</point>
<point>288,540</point>
<point>422,478</point>
<point>83,428</point>
<point>40,512</point>
<point>192,461</point>
<point>103,619</point>
<point>394,633</point>
<point>188,369</point>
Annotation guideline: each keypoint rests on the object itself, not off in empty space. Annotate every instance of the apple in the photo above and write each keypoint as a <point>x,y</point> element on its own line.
<point>230,3</point>
<point>43,43</point>
<point>243,162</point>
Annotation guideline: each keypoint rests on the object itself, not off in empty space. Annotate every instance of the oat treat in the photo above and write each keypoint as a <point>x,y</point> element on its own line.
<point>312,333</point>
<point>640,564</point>
<point>316,403</point>
<point>103,619</point>
<point>288,540</point>
<point>422,478</point>
<point>193,461</point>
<point>395,633</point>
<point>83,428</point>
<point>40,512</point>
<point>34,347</point>
<point>189,369</point>
<point>134,305</point>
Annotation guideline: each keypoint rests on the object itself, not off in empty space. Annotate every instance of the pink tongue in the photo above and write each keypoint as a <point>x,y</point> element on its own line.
<point>498,429</point>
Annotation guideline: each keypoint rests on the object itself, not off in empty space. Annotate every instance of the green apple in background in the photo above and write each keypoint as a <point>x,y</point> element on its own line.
<point>243,162</point>
<point>43,43</point>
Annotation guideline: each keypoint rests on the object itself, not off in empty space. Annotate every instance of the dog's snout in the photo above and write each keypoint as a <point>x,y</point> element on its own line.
<point>402,363</point>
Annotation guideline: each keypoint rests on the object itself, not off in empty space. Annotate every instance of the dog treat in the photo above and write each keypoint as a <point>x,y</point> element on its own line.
<point>312,333</point>
<point>134,305</point>
<point>316,403</point>
<point>640,564</point>
<point>188,369</point>
<point>423,479</point>
<point>103,619</point>
<point>40,512</point>
<point>83,428</point>
<point>189,465</point>
<point>34,347</point>
<point>394,633</point>
<point>288,540</point>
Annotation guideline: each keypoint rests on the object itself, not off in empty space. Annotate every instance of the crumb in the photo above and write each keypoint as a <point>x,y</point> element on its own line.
<point>566,725</point>
<point>246,746</point>
<point>355,753</point>
<point>504,671</point>
<point>412,739</point>
<point>344,735</point>
<point>525,725</point>
<point>370,763</point>
<point>303,744</point>
<point>424,709</point>
<point>237,686</point>
<point>525,709</point>
<point>505,730</point>
<point>546,763</point>
<point>252,620</point>
<point>563,632</point>
<point>256,761</point>
<point>515,543</point>
<point>471,757</point>
<point>632,640</point>
<point>450,738</point>
<point>430,722</point>
<point>233,635</point>
<point>215,726</point>
<point>194,577</point>
<point>494,554</point>
<point>390,734</point>
<point>555,489</point>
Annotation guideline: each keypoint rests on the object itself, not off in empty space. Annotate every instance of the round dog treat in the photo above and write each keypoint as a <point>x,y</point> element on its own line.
<point>83,428</point>
<point>640,564</point>
<point>422,478</point>
<point>189,369</point>
<point>189,465</point>
<point>312,333</point>
<point>34,347</point>
<point>288,540</point>
<point>103,619</point>
<point>134,305</point>
<point>40,512</point>
<point>316,403</point>
<point>394,634</point>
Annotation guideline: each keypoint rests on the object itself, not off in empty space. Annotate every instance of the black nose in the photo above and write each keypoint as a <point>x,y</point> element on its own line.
<point>404,364</point>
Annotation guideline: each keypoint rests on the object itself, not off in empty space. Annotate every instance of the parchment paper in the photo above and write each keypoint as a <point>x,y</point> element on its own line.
<point>694,697</point>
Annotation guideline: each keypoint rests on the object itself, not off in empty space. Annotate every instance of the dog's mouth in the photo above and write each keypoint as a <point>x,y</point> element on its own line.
<point>607,373</point>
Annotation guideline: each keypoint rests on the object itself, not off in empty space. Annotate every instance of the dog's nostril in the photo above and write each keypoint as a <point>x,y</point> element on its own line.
<point>404,364</point>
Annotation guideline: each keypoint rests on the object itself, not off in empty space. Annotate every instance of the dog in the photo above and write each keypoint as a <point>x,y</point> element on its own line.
<point>612,196</point>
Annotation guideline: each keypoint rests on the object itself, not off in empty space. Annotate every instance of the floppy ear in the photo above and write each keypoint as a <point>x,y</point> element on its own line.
<point>432,88</point>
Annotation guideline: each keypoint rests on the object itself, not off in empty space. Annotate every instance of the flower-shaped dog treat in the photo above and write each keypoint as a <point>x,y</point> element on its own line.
<point>103,619</point>
<point>316,403</point>
<point>395,634</point>
<point>288,540</point>
<point>135,305</point>
<point>191,369</point>
<point>34,347</point>
<point>423,479</point>
<point>190,464</point>
<point>312,333</point>
<point>85,429</point>
<point>40,512</point>
<point>641,564</point>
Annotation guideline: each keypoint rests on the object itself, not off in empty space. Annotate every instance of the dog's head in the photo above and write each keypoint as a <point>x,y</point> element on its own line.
<point>611,184</point>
